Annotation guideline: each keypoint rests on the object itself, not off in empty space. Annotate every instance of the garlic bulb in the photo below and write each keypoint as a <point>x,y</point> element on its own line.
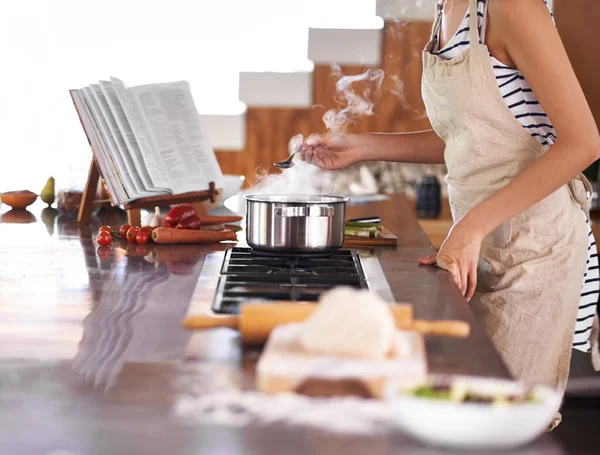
<point>154,219</point>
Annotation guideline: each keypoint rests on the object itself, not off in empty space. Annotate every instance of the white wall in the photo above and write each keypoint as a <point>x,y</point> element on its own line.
<point>48,47</point>
<point>411,9</point>
<point>406,9</point>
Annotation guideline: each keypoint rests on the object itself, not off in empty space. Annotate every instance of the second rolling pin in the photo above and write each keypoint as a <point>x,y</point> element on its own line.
<point>256,321</point>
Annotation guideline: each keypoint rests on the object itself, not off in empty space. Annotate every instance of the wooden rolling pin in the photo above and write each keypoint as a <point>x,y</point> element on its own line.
<point>257,320</point>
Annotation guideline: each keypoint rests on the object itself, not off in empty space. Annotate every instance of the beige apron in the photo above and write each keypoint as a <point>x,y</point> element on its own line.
<point>531,268</point>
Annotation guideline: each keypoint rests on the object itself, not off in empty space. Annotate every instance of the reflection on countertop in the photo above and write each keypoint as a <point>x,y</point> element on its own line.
<point>100,306</point>
<point>134,318</point>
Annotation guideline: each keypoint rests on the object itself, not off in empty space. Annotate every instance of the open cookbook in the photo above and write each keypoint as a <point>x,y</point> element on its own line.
<point>147,140</point>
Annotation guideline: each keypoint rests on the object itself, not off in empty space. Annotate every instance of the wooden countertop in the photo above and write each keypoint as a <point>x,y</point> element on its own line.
<point>93,358</point>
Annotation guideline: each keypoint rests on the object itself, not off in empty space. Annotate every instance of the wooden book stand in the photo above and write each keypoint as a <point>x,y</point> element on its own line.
<point>134,217</point>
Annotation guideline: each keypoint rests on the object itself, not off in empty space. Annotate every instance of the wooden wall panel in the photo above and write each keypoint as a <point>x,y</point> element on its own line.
<point>400,107</point>
<point>402,61</point>
<point>325,97</point>
<point>268,130</point>
<point>577,22</point>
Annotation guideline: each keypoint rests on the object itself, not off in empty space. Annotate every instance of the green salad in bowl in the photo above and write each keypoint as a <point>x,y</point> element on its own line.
<point>473,412</point>
<point>461,392</point>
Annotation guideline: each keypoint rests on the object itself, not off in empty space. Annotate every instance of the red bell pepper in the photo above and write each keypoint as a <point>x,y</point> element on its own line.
<point>190,222</point>
<point>178,213</point>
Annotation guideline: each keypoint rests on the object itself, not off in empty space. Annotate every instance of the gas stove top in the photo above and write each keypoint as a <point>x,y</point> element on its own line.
<point>246,275</point>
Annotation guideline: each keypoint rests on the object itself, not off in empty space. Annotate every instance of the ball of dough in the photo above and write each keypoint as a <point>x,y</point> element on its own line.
<point>352,323</point>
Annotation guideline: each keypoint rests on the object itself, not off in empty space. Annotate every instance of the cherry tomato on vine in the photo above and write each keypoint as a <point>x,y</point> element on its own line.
<point>104,238</point>
<point>142,237</point>
<point>105,229</point>
<point>123,230</point>
<point>132,232</point>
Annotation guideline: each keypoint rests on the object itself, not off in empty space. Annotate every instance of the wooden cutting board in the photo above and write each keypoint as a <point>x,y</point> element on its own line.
<point>386,238</point>
<point>284,366</point>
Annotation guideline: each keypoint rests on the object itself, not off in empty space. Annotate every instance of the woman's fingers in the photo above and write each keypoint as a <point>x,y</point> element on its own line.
<point>305,155</point>
<point>464,280</point>
<point>464,277</point>
<point>309,154</point>
<point>429,260</point>
<point>472,282</point>
<point>456,272</point>
<point>326,142</point>
<point>326,151</point>
<point>311,148</point>
<point>314,141</point>
<point>446,265</point>
<point>459,255</point>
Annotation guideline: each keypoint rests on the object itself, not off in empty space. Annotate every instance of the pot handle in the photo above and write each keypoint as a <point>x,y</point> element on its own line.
<point>304,211</point>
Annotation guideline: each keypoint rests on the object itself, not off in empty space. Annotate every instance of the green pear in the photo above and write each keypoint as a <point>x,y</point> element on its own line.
<point>47,194</point>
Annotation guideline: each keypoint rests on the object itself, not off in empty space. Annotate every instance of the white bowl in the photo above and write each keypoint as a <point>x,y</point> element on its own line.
<point>236,204</point>
<point>232,184</point>
<point>475,425</point>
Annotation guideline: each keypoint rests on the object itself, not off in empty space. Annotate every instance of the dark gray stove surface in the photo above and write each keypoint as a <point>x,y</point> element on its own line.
<point>246,276</point>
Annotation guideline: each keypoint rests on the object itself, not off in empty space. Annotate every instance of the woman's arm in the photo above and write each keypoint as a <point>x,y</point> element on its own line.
<point>421,147</point>
<point>529,37</point>
<point>340,151</point>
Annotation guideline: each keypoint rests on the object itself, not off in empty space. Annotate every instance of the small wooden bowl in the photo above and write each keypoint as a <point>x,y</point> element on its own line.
<point>18,199</point>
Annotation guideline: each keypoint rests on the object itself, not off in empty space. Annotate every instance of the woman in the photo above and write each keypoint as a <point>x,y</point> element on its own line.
<point>512,125</point>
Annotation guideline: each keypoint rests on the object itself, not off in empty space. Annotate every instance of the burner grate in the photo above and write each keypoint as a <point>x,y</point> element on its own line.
<point>247,276</point>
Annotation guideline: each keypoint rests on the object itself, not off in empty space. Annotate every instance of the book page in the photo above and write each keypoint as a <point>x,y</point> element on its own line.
<point>178,134</point>
<point>120,147</point>
<point>102,160</point>
<point>86,122</point>
<point>130,140</point>
<point>110,144</point>
<point>140,133</point>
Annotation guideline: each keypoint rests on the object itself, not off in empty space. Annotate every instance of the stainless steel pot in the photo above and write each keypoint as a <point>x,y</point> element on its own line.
<point>295,224</point>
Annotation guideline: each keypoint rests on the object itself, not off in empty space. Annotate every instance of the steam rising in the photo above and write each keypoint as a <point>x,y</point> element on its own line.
<point>303,178</point>
<point>397,28</point>
<point>356,96</point>
<point>398,90</point>
<point>357,102</point>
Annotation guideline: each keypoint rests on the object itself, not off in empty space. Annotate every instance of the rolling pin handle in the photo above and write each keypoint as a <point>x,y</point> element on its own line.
<point>456,329</point>
<point>209,321</point>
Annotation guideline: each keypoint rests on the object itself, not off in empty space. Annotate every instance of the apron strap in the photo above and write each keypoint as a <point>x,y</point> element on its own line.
<point>473,24</point>
<point>436,24</point>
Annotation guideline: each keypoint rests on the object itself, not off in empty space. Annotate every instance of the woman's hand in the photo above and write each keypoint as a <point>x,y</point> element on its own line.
<point>459,255</point>
<point>334,152</point>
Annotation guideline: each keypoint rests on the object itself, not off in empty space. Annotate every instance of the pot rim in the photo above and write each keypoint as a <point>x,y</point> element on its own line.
<point>296,198</point>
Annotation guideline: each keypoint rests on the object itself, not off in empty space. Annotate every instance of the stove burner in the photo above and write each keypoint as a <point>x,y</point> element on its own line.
<point>287,272</point>
<point>291,255</point>
<point>248,276</point>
